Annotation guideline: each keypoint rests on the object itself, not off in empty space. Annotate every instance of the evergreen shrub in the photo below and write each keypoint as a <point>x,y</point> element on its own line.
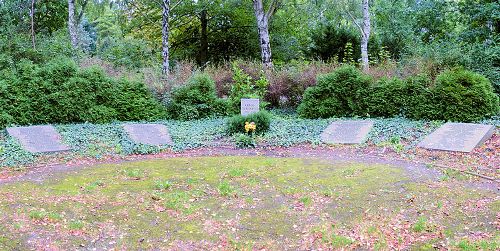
<point>197,99</point>
<point>60,92</point>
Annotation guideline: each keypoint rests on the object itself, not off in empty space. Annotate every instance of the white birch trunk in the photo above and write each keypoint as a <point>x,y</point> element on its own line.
<point>73,33</point>
<point>263,29</point>
<point>165,34</point>
<point>365,32</point>
<point>32,14</point>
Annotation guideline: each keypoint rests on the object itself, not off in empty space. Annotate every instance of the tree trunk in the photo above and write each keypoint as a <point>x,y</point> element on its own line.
<point>365,35</point>
<point>73,33</point>
<point>165,33</point>
<point>204,38</point>
<point>33,24</point>
<point>263,29</point>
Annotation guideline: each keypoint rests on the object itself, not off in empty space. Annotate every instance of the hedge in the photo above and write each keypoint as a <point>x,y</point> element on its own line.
<point>60,92</point>
<point>456,95</point>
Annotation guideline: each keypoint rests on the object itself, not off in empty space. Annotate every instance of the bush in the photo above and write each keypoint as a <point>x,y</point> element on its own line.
<point>59,92</point>
<point>387,98</point>
<point>245,87</point>
<point>244,141</point>
<point>456,95</point>
<point>435,57</point>
<point>339,93</point>
<point>461,95</point>
<point>196,100</point>
<point>395,97</point>
<point>288,84</point>
<point>262,120</point>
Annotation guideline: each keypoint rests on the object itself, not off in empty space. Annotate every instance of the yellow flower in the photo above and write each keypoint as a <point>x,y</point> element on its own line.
<point>250,126</point>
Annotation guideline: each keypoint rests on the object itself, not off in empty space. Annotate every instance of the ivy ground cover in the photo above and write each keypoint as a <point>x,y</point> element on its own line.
<point>248,203</point>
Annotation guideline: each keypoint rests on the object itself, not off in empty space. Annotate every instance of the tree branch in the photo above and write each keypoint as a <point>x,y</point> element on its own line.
<point>80,16</point>
<point>355,22</point>
<point>272,9</point>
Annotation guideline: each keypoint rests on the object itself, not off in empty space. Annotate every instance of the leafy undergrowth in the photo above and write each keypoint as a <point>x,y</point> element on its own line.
<point>92,141</point>
<point>396,137</point>
<point>245,203</point>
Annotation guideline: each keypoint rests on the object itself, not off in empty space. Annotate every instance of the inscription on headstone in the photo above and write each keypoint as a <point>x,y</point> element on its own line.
<point>149,134</point>
<point>249,106</point>
<point>38,139</point>
<point>347,132</point>
<point>458,137</point>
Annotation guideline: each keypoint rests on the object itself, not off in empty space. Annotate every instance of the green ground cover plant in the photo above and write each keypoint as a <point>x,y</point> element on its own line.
<point>98,141</point>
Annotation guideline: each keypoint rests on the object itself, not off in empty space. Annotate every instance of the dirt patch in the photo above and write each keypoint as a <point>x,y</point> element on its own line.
<point>41,173</point>
<point>319,199</point>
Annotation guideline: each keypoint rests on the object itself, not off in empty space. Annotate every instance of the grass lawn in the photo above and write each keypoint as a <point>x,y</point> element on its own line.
<point>245,203</point>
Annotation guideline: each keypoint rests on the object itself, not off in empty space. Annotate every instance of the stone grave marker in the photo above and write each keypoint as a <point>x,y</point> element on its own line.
<point>458,137</point>
<point>347,132</point>
<point>149,134</point>
<point>249,106</point>
<point>38,139</point>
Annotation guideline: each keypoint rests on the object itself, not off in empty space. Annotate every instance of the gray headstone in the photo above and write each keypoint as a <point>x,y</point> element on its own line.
<point>38,139</point>
<point>347,132</point>
<point>149,134</point>
<point>458,137</point>
<point>249,106</point>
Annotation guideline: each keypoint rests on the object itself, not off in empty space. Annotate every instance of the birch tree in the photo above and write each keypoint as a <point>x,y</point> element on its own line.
<point>365,35</point>
<point>365,28</point>
<point>164,36</point>
<point>73,33</point>
<point>263,17</point>
<point>32,15</point>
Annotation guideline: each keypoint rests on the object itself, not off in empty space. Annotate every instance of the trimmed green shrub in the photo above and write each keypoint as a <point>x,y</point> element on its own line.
<point>197,99</point>
<point>339,93</point>
<point>456,95</point>
<point>394,97</point>
<point>418,102</point>
<point>461,95</point>
<point>59,92</point>
<point>387,98</point>
<point>262,120</point>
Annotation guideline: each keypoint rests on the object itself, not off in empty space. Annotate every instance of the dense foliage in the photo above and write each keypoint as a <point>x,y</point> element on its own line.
<point>411,44</point>
<point>336,94</point>
<point>395,97</point>
<point>60,92</point>
<point>456,95</point>
<point>197,99</point>
<point>262,120</point>
<point>463,96</point>
<point>245,86</point>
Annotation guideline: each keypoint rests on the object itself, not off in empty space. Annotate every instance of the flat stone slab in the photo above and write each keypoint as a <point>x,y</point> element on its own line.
<point>249,106</point>
<point>149,134</point>
<point>347,132</point>
<point>38,139</point>
<point>458,137</point>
